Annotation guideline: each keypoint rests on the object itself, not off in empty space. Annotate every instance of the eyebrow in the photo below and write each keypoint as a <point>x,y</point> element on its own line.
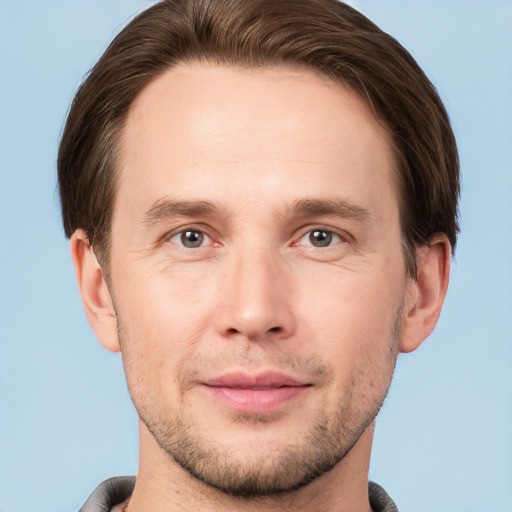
<point>165,208</point>
<point>333,207</point>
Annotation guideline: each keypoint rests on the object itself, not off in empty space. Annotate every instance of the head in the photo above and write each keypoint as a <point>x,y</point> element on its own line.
<point>325,36</point>
<point>233,295</point>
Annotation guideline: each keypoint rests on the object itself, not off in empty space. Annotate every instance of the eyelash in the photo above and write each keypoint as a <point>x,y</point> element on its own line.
<point>182,232</point>
<point>332,235</point>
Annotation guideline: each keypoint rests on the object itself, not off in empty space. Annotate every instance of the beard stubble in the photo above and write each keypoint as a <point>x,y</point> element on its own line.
<point>233,471</point>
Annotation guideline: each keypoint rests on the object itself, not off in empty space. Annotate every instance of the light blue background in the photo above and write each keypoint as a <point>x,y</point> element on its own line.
<point>444,437</point>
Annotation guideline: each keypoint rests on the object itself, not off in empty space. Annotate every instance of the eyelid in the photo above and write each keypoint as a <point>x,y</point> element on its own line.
<point>343,235</point>
<point>211,239</point>
<point>167,237</point>
<point>177,236</point>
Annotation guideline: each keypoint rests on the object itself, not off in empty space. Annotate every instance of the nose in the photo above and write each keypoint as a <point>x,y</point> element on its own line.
<point>256,300</point>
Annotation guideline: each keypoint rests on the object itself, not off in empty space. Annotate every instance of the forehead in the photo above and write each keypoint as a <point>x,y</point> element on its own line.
<point>201,130</point>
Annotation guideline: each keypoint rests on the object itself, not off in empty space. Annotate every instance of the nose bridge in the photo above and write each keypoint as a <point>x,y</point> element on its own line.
<point>256,301</point>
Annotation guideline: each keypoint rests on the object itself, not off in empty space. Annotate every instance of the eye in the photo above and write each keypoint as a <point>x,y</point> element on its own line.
<point>320,238</point>
<point>190,238</point>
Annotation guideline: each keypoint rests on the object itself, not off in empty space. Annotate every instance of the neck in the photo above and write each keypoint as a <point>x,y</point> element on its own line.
<point>165,486</point>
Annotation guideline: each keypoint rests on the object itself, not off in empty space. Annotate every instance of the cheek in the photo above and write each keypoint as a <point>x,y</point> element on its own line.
<point>352,310</point>
<point>161,317</point>
<point>166,306</point>
<point>352,318</point>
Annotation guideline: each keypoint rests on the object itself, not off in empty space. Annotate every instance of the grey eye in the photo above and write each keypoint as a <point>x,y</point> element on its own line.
<point>320,238</point>
<point>191,239</point>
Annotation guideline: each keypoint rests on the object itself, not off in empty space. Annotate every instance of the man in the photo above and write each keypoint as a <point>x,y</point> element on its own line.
<point>261,199</point>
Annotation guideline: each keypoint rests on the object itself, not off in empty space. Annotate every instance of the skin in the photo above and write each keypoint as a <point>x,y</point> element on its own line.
<point>276,154</point>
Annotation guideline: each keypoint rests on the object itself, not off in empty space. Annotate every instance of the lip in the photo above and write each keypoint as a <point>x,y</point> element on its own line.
<point>256,393</point>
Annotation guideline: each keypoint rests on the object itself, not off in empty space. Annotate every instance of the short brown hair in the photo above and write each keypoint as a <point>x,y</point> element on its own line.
<point>327,36</point>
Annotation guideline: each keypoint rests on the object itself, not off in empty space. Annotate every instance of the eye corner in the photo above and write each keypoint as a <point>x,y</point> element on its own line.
<point>189,238</point>
<point>320,237</point>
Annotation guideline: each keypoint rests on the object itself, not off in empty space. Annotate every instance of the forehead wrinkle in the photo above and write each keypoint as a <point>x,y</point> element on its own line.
<point>165,208</point>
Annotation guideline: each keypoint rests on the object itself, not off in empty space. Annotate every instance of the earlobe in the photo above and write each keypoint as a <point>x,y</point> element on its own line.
<point>426,293</point>
<point>96,298</point>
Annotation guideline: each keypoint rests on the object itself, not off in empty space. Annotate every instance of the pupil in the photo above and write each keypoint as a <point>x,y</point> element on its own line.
<point>192,238</point>
<point>320,238</point>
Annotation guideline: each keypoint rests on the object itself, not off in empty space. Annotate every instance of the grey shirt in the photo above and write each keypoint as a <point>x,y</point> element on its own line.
<point>117,489</point>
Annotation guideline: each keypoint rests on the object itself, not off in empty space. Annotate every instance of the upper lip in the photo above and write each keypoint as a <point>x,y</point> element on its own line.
<point>263,380</point>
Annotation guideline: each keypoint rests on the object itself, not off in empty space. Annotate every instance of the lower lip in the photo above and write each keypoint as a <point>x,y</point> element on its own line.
<point>255,400</point>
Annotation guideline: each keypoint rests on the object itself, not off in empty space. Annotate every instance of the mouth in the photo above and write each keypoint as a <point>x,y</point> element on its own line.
<point>259,393</point>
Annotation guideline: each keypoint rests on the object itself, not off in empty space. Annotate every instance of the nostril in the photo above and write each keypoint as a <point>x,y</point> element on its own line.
<point>275,329</point>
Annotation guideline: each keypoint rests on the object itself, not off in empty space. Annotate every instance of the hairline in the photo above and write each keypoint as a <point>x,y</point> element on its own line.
<point>103,248</point>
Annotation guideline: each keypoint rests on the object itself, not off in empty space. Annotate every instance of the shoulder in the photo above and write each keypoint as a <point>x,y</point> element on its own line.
<point>109,493</point>
<point>379,499</point>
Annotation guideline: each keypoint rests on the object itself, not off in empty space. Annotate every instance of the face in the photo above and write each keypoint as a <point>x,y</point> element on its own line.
<point>256,271</point>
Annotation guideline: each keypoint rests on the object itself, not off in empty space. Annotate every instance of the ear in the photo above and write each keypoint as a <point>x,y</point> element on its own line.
<point>425,293</point>
<point>98,304</point>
